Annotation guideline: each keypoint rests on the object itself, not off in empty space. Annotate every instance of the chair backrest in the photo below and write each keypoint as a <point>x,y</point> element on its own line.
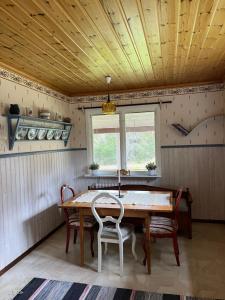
<point>177,203</point>
<point>100,220</point>
<point>63,189</point>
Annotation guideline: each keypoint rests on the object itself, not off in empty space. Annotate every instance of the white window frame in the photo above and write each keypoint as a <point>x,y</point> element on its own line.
<point>122,111</point>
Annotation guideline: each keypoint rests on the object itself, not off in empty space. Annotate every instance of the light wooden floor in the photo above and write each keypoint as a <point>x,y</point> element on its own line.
<point>202,271</point>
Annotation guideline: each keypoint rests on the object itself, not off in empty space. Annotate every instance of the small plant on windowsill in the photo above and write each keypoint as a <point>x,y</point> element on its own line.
<point>94,168</point>
<point>151,167</point>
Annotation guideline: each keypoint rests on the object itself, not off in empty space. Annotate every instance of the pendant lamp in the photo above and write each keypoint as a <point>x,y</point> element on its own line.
<point>108,107</point>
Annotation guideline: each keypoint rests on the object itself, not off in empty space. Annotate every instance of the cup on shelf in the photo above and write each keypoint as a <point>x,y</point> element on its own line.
<point>29,111</point>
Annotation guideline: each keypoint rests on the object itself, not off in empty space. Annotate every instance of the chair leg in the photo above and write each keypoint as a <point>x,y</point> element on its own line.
<point>176,249</point>
<point>75,236</point>
<point>121,257</point>
<point>67,238</point>
<point>145,252</point>
<point>92,242</point>
<point>99,255</point>
<point>133,245</point>
<point>106,248</point>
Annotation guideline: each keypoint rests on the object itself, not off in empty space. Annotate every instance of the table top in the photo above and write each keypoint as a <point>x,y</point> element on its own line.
<point>73,203</point>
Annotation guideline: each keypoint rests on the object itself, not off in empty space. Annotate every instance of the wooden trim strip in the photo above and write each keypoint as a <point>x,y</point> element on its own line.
<point>19,258</point>
<point>193,146</point>
<point>208,221</point>
<point>8,155</point>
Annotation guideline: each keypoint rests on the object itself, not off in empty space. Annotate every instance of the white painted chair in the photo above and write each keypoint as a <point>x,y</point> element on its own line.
<point>113,233</point>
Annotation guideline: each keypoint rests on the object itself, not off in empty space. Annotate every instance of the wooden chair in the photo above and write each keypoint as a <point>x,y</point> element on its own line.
<point>112,231</point>
<point>162,227</point>
<point>73,220</point>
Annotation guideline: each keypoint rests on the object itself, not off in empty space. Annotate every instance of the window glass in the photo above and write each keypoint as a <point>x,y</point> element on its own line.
<point>140,140</point>
<point>106,141</point>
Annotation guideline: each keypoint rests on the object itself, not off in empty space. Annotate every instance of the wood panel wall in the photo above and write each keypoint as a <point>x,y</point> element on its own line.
<point>199,168</point>
<point>29,188</point>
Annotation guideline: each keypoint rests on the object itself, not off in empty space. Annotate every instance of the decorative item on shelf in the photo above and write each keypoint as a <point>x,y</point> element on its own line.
<point>151,167</point>
<point>57,134</point>
<point>94,168</point>
<point>50,134</point>
<point>58,117</point>
<point>32,133</point>
<point>108,107</point>
<point>180,128</point>
<point>29,111</point>
<point>41,134</point>
<point>67,120</point>
<point>14,109</point>
<point>124,172</point>
<point>65,135</point>
<point>44,114</point>
<point>21,133</point>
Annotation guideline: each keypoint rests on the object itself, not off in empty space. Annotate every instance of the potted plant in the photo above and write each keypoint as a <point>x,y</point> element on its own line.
<point>151,167</point>
<point>94,168</point>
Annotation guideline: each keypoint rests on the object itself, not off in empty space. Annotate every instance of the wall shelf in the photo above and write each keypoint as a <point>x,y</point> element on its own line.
<point>184,131</point>
<point>18,124</point>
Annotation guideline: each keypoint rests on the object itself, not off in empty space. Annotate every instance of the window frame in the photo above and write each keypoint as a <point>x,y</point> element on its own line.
<point>122,111</point>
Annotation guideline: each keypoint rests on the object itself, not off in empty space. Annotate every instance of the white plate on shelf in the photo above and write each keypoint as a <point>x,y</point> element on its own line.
<point>21,133</point>
<point>41,134</point>
<point>65,135</point>
<point>32,133</point>
<point>57,134</point>
<point>50,134</point>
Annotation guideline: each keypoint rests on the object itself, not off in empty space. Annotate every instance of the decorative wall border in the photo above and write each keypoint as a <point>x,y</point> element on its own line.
<point>151,93</point>
<point>8,75</point>
<point>17,154</point>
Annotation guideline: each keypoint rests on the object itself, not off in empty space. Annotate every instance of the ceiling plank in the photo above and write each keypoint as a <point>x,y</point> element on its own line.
<point>73,44</point>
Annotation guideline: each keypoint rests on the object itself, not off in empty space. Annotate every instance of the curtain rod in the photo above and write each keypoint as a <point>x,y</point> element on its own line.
<point>137,104</point>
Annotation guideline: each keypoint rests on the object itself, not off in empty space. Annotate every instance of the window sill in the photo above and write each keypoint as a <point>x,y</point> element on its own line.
<point>122,176</point>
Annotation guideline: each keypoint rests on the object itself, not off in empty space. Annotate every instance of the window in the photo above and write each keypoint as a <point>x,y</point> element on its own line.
<point>129,139</point>
<point>140,140</point>
<point>106,141</point>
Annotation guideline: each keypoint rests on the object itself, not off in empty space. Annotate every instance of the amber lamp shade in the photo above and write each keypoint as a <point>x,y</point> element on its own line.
<point>109,108</point>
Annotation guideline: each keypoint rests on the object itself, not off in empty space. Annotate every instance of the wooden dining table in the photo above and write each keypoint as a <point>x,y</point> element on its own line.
<point>130,210</point>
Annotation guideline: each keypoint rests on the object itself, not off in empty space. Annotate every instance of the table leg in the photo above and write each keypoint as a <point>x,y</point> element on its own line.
<point>147,241</point>
<point>81,231</point>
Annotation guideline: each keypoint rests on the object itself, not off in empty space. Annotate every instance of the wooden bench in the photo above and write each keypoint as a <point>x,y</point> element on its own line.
<point>184,222</point>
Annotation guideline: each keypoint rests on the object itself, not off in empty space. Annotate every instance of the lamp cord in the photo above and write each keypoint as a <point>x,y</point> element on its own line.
<point>108,94</point>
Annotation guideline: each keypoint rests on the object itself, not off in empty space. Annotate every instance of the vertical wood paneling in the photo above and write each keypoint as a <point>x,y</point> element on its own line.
<point>201,169</point>
<point>29,195</point>
<point>30,190</point>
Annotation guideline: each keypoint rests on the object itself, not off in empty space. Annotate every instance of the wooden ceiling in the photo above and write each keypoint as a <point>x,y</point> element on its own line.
<point>70,45</point>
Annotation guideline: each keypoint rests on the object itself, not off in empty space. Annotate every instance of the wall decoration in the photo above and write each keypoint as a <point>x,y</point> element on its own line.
<point>151,93</point>
<point>32,85</point>
<point>24,128</point>
<point>185,131</point>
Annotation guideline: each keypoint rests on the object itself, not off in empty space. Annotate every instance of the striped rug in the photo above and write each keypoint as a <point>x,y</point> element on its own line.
<point>44,289</point>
